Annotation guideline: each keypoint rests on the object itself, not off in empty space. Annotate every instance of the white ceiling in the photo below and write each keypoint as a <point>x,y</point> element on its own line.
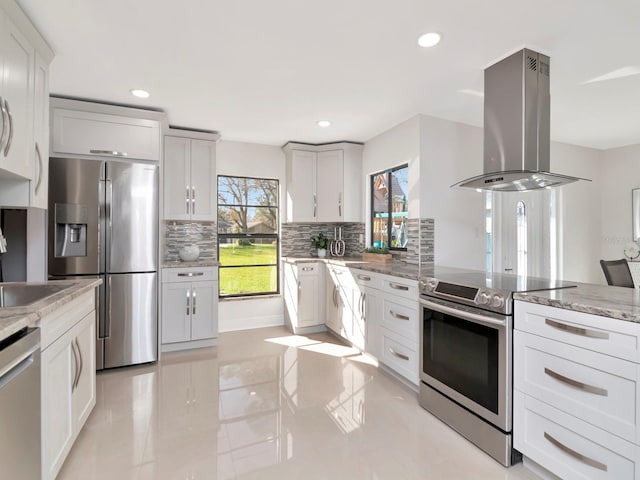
<point>265,71</point>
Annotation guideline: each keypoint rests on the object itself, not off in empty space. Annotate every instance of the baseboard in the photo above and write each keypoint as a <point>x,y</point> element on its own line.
<point>174,347</point>
<point>234,324</point>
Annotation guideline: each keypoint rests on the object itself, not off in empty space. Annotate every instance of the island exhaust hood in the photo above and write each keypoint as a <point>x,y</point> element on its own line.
<point>516,126</point>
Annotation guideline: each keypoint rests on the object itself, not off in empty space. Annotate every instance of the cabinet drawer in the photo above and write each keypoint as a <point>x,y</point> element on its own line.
<point>89,133</point>
<point>366,279</point>
<point>399,354</point>
<point>401,287</point>
<point>196,274</point>
<point>569,447</point>
<point>596,388</point>
<point>401,316</point>
<point>309,268</point>
<point>603,335</point>
<point>54,325</point>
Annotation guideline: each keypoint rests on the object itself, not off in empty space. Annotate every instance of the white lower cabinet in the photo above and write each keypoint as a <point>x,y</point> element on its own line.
<point>189,307</point>
<point>304,296</point>
<point>68,379</point>
<point>576,400</point>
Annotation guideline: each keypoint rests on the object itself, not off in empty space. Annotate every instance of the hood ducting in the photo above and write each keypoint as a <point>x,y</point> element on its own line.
<point>517,126</point>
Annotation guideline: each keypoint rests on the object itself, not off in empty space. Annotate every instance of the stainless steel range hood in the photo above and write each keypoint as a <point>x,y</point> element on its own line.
<point>516,126</point>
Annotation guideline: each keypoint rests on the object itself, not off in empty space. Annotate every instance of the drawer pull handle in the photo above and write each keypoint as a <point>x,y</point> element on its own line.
<point>395,286</point>
<point>578,456</point>
<point>113,153</point>
<point>399,355</point>
<point>574,383</point>
<point>366,278</point>
<point>191,274</point>
<point>585,332</point>
<point>307,269</point>
<point>399,316</point>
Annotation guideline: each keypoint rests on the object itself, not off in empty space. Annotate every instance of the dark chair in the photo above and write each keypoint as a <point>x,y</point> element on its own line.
<point>617,273</point>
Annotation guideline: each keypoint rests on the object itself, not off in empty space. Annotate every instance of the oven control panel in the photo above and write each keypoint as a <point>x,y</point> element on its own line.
<point>485,298</point>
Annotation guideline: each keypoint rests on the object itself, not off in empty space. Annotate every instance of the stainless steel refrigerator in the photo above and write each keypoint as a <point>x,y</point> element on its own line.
<point>103,221</point>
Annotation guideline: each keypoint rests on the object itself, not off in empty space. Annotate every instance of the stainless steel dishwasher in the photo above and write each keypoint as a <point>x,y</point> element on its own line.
<point>20,405</point>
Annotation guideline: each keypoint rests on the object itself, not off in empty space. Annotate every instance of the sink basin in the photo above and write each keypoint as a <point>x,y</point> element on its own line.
<point>24,295</point>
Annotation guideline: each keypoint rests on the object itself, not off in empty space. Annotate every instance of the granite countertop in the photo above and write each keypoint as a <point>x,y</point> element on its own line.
<point>203,262</point>
<point>613,302</point>
<point>396,269</point>
<point>13,319</point>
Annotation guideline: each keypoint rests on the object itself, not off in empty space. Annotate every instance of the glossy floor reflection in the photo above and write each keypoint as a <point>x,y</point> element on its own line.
<point>268,405</point>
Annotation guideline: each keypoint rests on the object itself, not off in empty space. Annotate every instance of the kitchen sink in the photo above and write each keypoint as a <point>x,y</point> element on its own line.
<point>24,295</point>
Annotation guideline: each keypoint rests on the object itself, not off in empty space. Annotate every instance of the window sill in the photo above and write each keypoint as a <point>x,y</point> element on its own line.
<point>249,297</point>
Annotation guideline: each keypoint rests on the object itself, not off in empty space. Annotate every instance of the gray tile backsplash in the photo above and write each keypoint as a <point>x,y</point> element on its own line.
<point>176,234</point>
<point>296,238</point>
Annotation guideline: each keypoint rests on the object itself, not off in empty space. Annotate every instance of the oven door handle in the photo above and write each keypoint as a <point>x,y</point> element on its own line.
<point>465,315</point>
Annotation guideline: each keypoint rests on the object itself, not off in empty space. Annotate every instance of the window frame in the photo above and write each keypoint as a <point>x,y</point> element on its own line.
<point>387,172</point>
<point>248,236</point>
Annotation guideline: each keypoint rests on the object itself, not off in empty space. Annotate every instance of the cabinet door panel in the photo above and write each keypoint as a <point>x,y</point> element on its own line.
<point>58,372</point>
<point>204,312</point>
<point>84,395</point>
<point>203,180</point>
<point>329,179</point>
<point>40,184</point>
<point>177,168</point>
<point>17,88</point>
<point>302,201</point>
<point>176,319</point>
<point>308,289</point>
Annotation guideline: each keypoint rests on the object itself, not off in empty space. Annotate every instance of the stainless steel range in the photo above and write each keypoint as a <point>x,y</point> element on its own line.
<point>466,353</point>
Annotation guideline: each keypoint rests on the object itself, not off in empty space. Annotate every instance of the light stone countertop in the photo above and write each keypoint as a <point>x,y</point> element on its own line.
<point>13,319</point>
<point>613,302</point>
<point>395,269</point>
<point>204,262</point>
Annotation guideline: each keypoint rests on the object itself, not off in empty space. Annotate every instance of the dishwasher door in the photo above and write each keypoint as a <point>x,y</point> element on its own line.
<point>20,406</point>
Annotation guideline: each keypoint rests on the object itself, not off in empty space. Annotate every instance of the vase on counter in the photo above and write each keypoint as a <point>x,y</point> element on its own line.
<point>322,252</point>
<point>189,253</point>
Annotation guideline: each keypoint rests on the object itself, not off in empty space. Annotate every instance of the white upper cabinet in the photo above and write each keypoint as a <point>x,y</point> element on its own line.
<point>17,56</point>
<point>324,182</point>
<point>89,133</point>
<point>24,110</point>
<point>190,178</point>
<point>329,185</point>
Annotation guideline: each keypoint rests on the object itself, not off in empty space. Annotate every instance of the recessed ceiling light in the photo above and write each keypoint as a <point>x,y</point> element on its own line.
<point>324,123</point>
<point>429,39</point>
<point>139,93</point>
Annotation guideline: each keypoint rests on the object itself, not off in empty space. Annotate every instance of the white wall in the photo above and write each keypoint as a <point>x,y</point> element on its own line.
<point>451,152</point>
<point>251,160</point>
<point>398,146</point>
<point>620,174</point>
<point>581,212</point>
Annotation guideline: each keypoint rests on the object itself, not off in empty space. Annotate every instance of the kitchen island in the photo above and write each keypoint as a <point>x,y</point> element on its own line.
<point>577,381</point>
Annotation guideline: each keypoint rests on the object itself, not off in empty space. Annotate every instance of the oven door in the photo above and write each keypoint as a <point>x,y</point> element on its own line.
<point>466,356</point>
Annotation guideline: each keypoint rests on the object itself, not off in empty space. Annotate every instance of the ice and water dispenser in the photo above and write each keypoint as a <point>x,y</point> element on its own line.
<point>71,230</point>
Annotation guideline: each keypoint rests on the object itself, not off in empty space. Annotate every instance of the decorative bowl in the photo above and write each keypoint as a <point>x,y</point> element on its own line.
<point>189,253</point>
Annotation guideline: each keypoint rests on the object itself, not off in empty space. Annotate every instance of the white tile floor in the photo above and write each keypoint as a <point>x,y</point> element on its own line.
<point>268,405</point>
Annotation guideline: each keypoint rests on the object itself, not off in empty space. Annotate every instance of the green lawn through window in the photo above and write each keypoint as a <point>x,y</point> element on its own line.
<point>249,279</point>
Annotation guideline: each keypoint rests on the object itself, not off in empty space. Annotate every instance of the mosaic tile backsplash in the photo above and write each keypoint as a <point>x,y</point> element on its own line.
<point>180,233</point>
<point>296,238</point>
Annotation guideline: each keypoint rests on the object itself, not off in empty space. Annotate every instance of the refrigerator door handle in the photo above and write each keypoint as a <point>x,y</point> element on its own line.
<point>109,222</point>
<point>107,321</point>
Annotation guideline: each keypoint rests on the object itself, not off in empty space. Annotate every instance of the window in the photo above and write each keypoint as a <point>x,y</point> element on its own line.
<point>247,236</point>
<point>521,238</point>
<point>390,208</point>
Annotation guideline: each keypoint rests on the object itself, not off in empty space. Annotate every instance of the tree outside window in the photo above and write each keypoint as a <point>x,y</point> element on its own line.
<point>247,235</point>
